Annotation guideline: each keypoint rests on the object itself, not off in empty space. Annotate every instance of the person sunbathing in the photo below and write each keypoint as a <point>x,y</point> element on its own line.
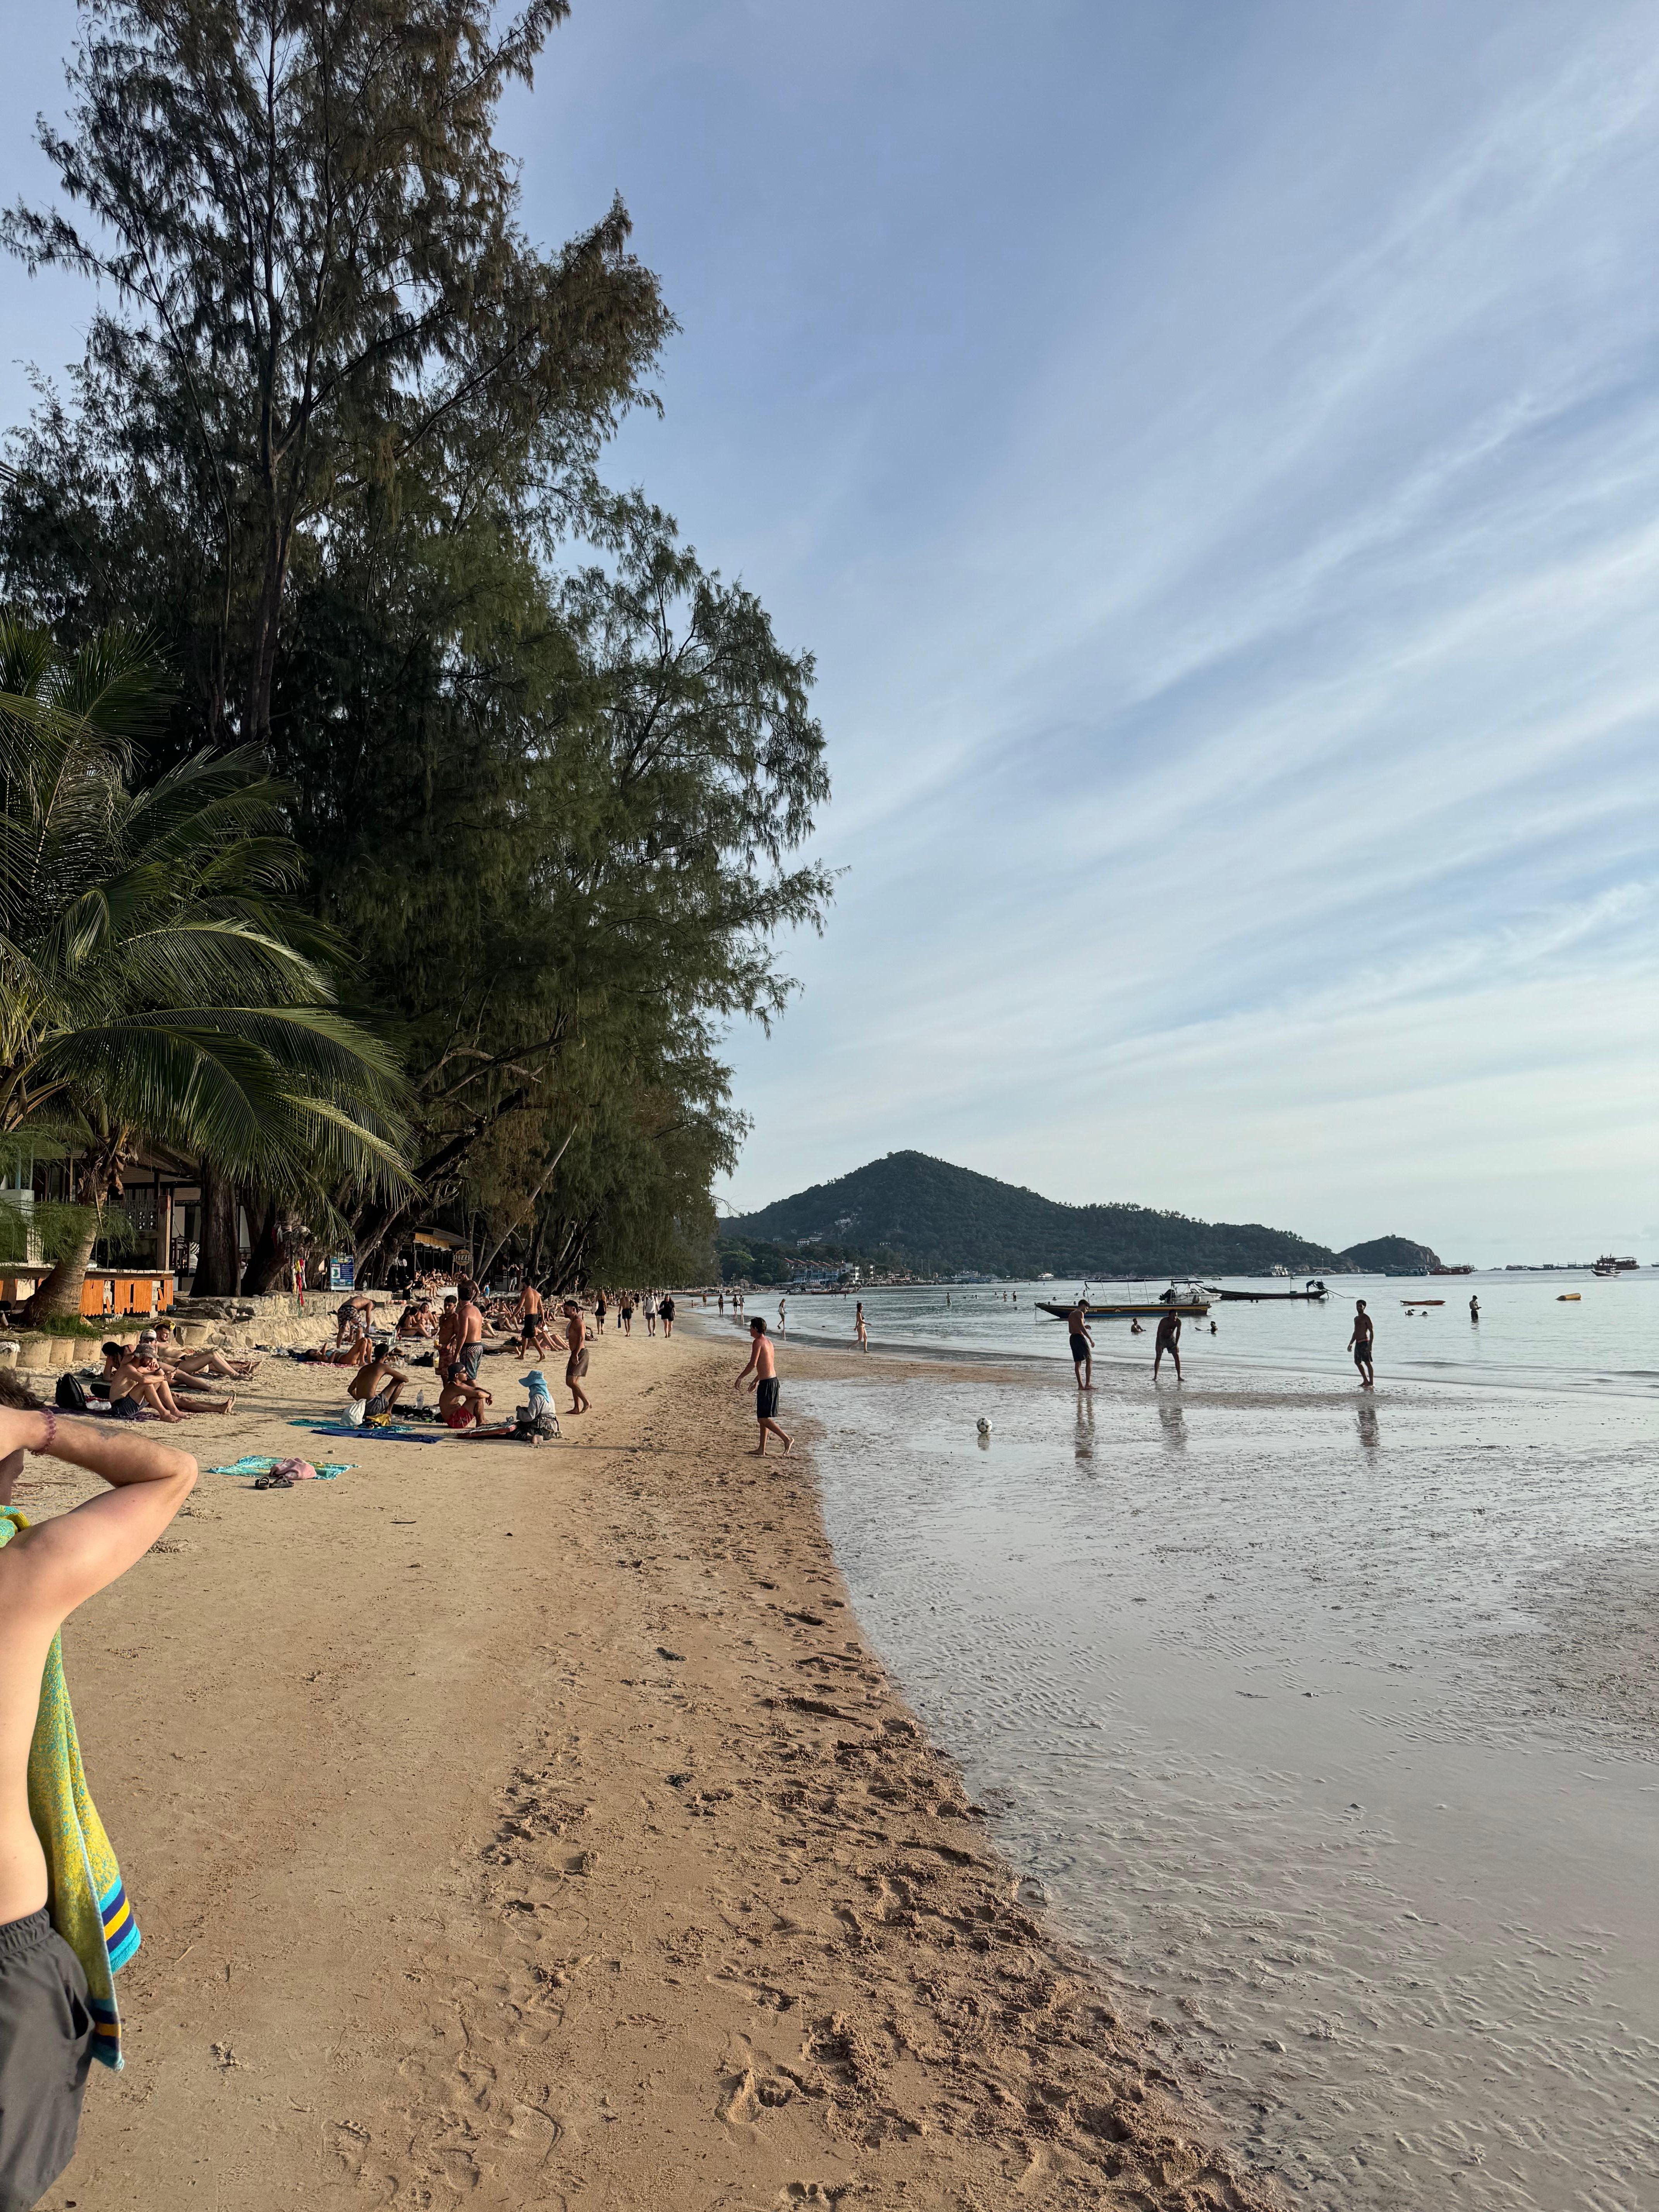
<point>379,1385</point>
<point>206,1359</point>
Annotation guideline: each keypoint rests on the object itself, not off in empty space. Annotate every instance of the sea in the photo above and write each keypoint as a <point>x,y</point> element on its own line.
<point>1325,1719</point>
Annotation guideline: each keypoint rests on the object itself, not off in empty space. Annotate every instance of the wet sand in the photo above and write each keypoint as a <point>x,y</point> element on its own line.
<point>1325,1721</point>
<point>535,1828</point>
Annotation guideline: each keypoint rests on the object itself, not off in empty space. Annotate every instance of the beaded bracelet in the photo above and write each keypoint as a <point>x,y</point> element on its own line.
<point>51,1432</point>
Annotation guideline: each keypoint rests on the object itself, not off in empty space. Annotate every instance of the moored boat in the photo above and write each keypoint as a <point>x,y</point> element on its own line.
<point>1194,1302</point>
<point>1315,1290</point>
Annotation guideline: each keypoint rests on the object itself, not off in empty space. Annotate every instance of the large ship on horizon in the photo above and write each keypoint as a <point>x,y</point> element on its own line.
<point>1606,1265</point>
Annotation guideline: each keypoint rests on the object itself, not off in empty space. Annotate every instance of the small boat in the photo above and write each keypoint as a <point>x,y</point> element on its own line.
<point>1315,1290</point>
<point>1194,1302</point>
<point>1422,1302</point>
<point>1568,1297</point>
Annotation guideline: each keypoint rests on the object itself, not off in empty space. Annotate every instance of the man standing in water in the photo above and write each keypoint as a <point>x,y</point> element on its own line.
<point>1167,1340</point>
<point>763,1364</point>
<point>1083,1345</point>
<point>1360,1344</point>
<point>1474,1308</point>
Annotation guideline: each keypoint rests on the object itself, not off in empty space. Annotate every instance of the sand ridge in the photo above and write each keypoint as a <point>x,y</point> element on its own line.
<point>533,1828</point>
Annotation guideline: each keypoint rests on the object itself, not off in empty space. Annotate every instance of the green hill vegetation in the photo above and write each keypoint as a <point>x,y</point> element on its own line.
<point>1390,1255</point>
<point>935,1219</point>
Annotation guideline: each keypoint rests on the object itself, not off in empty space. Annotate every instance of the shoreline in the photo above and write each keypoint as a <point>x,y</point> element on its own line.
<point>534,1827</point>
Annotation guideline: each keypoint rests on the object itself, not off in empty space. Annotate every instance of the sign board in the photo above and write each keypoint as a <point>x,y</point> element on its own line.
<point>340,1272</point>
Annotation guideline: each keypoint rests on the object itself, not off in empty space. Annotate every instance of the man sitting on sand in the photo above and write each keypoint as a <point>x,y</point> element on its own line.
<point>379,1385</point>
<point>1083,1345</point>
<point>416,1319</point>
<point>461,1402</point>
<point>576,1365</point>
<point>1167,1340</point>
<point>763,1364</point>
<point>138,1384</point>
<point>46,1572</point>
<point>1360,1344</point>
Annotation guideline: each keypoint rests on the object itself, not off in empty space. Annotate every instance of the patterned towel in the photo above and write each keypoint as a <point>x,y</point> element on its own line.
<point>84,1895</point>
<point>252,1464</point>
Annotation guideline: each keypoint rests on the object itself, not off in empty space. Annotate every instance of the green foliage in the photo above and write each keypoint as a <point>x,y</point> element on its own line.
<point>335,445</point>
<point>320,298</point>
<point>72,1325</point>
<point>1390,1255</point>
<point>157,978</point>
<point>937,1218</point>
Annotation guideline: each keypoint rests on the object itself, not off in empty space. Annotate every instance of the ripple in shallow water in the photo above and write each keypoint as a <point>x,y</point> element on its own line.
<point>1327,1727</point>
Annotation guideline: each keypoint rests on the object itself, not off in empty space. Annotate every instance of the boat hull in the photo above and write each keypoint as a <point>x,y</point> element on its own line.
<point>1194,1309</point>
<point>1271,1297</point>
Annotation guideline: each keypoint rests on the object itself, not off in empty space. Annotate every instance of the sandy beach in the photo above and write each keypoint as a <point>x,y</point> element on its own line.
<point>534,1828</point>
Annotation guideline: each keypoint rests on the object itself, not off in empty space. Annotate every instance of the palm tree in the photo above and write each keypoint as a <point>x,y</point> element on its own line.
<point>157,977</point>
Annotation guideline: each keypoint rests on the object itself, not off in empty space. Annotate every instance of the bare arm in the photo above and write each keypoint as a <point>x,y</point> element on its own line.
<point>754,1354</point>
<point>60,1562</point>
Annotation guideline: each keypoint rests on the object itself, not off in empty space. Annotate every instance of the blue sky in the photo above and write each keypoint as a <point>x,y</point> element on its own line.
<point>1213,451</point>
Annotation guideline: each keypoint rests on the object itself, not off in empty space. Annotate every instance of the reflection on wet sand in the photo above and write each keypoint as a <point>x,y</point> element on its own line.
<point>1366,1413</point>
<point>1172,1415</point>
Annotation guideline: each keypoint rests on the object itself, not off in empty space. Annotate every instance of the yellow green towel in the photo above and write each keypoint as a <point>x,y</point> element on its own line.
<point>85,1896</point>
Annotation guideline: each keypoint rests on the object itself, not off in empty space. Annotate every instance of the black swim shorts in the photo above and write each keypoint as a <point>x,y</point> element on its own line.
<point>1362,1352</point>
<point>1079,1347</point>
<point>46,2047</point>
<point>766,1399</point>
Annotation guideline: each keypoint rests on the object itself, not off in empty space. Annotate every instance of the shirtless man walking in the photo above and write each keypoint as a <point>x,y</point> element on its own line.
<point>1167,1340</point>
<point>763,1365</point>
<point>1360,1344</point>
<point>46,1572</point>
<point>576,1365</point>
<point>1083,1345</point>
<point>530,1329</point>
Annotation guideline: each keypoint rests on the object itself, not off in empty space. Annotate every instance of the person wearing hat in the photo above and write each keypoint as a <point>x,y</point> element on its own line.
<point>538,1414</point>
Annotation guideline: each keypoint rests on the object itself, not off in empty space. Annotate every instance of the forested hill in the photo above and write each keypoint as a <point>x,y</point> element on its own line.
<point>936,1219</point>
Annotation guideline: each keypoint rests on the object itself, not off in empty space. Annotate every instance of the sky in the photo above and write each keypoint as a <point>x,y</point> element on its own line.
<point>1212,452</point>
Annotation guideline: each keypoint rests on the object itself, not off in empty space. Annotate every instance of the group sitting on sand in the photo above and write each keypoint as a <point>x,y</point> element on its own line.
<point>141,1379</point>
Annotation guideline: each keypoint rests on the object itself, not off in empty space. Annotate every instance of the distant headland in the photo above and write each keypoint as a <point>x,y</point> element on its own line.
<point>912,1213</point>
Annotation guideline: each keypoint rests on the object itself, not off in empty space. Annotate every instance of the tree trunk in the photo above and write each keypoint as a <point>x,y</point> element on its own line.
<point>219,1265</point>
<point>267,1267</point>
<point>58,1297</point>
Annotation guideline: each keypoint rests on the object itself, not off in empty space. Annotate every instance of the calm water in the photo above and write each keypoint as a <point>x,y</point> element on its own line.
<point>1327,1720</point>
<point>1607,1340</point>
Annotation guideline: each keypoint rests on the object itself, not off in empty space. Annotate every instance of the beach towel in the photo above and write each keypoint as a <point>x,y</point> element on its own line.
<point>84,1893</point>
<point>252,1464</point>
<point>341,1429</point>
